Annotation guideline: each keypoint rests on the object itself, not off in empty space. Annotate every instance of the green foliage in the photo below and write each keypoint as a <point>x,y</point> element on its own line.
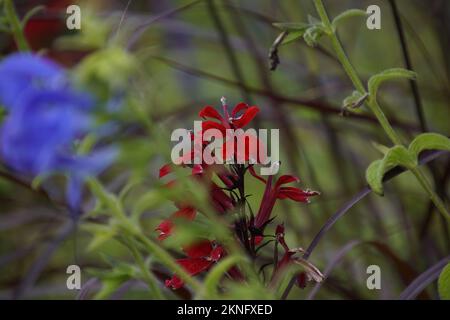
<point>444,283</point>
<point>100,234</point>
<point>407,158</point>
<point>313,34</point>
<point>311,31</point>
<point>354,101</point>
<point>390,74</point>
<point>291,26</point>
<point>429,141</point>
<point>93,34</point>
<point>396,156</point>
<point>217,273</point>
<point>113,278</point>
<point>347,14</point>
<point>106,71</point>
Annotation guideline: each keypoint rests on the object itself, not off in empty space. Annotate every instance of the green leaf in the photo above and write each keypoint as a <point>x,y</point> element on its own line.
<point>348,14</point>
<point>292,36</point>
<point>101,234</point>
<point>444,283</point>
<point>291,26</point>
<point>216,274</point>
<point>354,101</point>
<point>150,200</point>
<point>109,286</point>
<point>37,182</point>
<point>295,30</point>
<point>313,20</point>
<point>371,176</point>
<point>389,74</point>
<point>106,71</point>
<point>380,147</point>
<point>313,34</point>
<point>396,156</point>
<point>429,141</point>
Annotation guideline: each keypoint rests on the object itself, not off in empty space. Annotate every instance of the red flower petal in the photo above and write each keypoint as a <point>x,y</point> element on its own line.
<point>174,283</point>
<point>258,240</point>
<point>194,266</point>
<point>252,171</point>
<point>227,178</point>
<point>279,231</point>
<point>239,107</point>
<point>186,212</point>
<point>165,229</point>
<point>286,179</point>
<point>199,250</point>
<point>210,112</point>
<point>206,125</point>
<point>295,194</point>
<point>248,116</point>
<point>216,254</point>
<point>165,170</point>
<point>221,198</point>
<point>197,169</point>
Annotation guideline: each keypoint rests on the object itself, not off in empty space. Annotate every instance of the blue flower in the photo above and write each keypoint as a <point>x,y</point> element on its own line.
<point>46,116</point>
<point>22,72</point>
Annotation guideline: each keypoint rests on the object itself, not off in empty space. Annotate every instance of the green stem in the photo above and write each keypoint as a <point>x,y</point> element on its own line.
<point>433,196</point>
<point>351,72</point>
<point>151,281</point>
<point>132,230</point>
<point>379,114</point>
<point>372,104</point>
<point>16,26</point>
<point>166,259</point>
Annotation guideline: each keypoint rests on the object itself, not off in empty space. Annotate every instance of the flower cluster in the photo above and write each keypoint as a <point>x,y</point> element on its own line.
<point>230,197</point>
<point>46,116</point>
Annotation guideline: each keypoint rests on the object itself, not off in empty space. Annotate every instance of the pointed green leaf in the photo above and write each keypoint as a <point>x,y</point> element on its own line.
<point>396,156</point>
<point>429,141</point>
<point>291,26</point>
<point>444,283</point>
<point>313,34</point>
<point>150,200</point>
<point>389,74</point>
<point>381,147</point>
<point>292,36</point>
<point>217,273</point>
<point>109,286</point>
<point>101,234</point>
<point>371,177</point>
<point>348,14</point>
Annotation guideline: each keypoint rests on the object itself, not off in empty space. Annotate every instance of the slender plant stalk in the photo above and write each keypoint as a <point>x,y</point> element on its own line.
<point>372,103</point>
<point>429,189</point>
<point>149,278</point>
<point>131,230</point>
<point>16,26</point>
<point>168,261</point>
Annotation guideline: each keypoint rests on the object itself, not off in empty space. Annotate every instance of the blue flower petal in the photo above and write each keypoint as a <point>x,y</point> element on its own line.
<point>23,71</point>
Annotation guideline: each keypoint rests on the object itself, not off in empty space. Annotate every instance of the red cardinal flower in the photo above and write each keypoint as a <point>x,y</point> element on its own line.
<point>200,257</point>
<point>271,194</point>
<point>232,198</point>
<point>241,115</point>
<point>166,226</point>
